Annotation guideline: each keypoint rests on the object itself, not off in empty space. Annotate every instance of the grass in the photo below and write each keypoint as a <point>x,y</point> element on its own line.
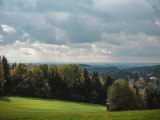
<point>20,108</point>
<point>22,104</point>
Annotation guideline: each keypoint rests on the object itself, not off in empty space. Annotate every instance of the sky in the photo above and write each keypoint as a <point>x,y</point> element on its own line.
<point>101,31</point>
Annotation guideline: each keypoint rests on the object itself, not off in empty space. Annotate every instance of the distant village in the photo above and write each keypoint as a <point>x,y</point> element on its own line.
<point>142,80</point>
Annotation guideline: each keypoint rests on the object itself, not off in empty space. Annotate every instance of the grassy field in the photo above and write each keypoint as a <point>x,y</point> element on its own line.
<point>19,108</point>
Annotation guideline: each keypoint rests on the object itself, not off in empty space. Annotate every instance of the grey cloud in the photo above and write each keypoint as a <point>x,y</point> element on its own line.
<point>81,31</point>
<point>42,27</point>
<point>27,53</point>
<point>112,38</point>
<point>1,2</point>
<point>87,53</point>
<point>61,5</point>
<point>155,4</point>
<point>138,45</point>
<point>124,30</point>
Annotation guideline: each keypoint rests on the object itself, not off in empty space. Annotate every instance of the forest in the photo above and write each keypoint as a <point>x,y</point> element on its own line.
<point>74,83</point>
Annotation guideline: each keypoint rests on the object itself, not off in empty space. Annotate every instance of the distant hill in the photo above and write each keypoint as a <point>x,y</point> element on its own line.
<point>147,68</point>
<point>154,70</point>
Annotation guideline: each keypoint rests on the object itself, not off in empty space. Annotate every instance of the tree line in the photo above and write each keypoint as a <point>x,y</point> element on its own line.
<point>125,96</point>
<point>71,82</point>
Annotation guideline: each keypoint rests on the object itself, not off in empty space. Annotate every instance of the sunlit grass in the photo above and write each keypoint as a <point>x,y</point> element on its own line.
<point>42,109</point>
<point>20,104</point>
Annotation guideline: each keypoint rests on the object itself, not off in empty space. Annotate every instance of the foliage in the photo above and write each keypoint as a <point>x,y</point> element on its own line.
<point>71,82</point>
<point>8,85</point>
<point>153,95</point>
<point>41,86</point>
<point>121,97</point>
<point>87,86</point>
<point>2,79</point>
<point>68,82</point>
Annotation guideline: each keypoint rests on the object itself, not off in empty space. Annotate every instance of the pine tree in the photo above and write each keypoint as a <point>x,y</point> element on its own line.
<point>2,80</point>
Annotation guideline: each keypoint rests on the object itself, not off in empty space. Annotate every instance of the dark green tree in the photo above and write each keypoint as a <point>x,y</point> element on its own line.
<point>41,85</point>
<point>56,83</point>
<point>121,97</point>
<point>72,76</point>
<point>153,95</point>
<point>2,79</point>
<point>98,93</point>
<point>87,85</point>
<point>109,81</point>
<point>8,86</point>
<point>44,69</point>
<point>26,87</point>
<point>18,73</point>
<point>13,65</point>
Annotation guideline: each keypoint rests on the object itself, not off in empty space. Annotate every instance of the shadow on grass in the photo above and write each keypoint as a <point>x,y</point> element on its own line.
<point>67,101</point>
<point>5,99</point>
<point>34,98</point>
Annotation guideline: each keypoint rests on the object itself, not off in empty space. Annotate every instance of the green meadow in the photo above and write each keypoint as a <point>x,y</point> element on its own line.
<point>23,108</point>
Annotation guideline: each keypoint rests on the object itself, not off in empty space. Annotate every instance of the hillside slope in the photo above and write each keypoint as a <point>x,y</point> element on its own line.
<point>22,104</point>
<point>20,108</point>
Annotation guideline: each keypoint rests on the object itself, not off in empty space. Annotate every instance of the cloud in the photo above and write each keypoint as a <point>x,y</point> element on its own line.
<point>58,16</point>
<point>155,4</point>
<point>114,38</point>
<point>84,30</point>
<point>1,2</point>
<point>157,22</point>
<point>32,3</point>
<point>8,28</point>
<point>23,51</point>
<point>83,21</point>
<point>134,49</point>
<point>123,7</point>
<point>1,36</point>
<point>140,45</point>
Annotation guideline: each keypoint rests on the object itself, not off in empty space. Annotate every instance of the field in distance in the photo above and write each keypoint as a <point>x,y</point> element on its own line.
<point>48,109</point>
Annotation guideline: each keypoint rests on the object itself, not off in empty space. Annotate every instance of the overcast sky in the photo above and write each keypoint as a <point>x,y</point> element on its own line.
<point>119,31</point>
